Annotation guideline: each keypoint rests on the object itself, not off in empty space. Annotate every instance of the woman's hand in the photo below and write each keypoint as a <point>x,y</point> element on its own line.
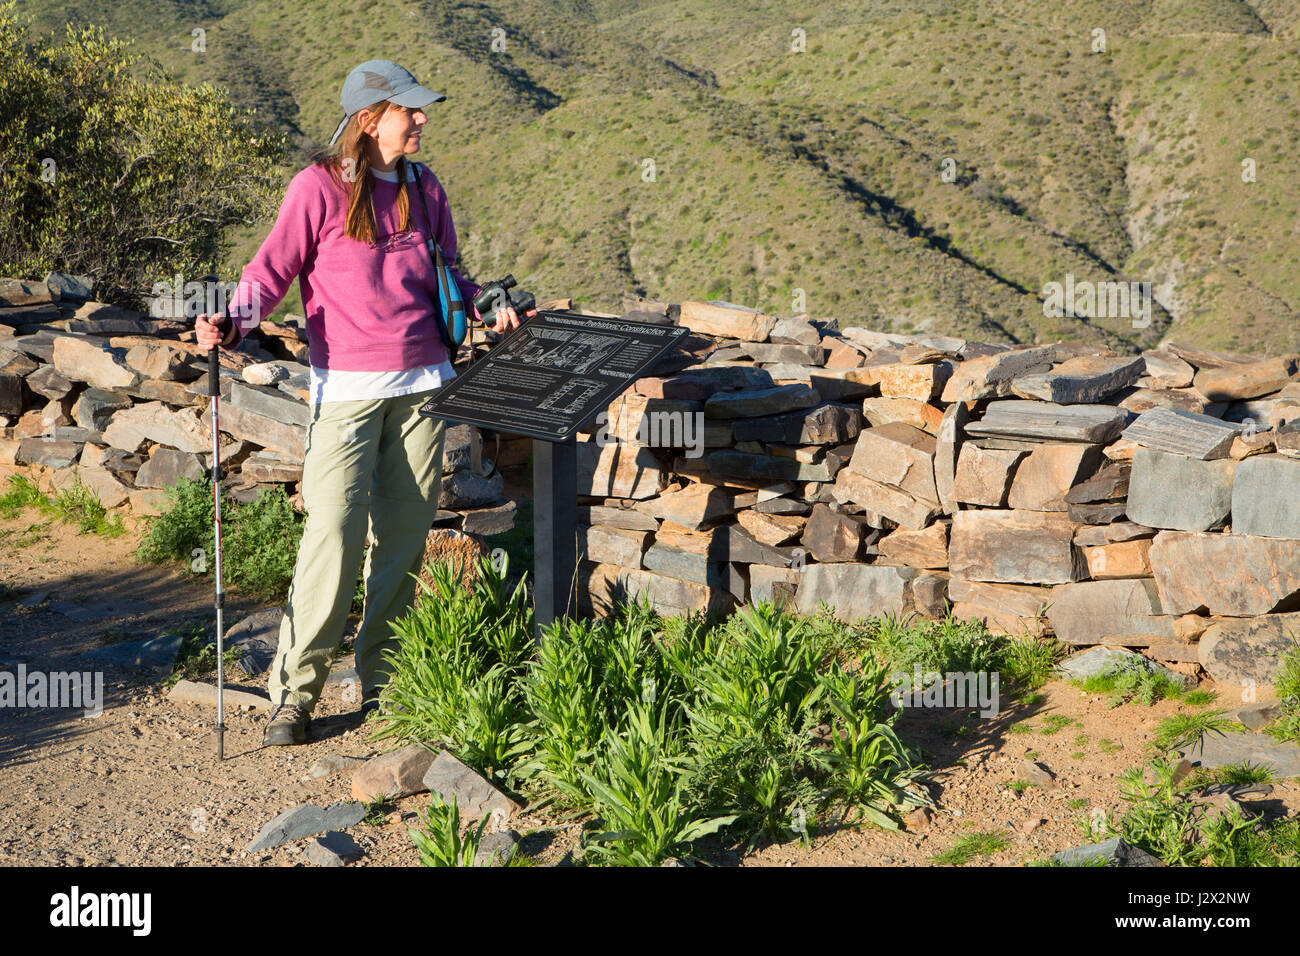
<point>508,319</point>
<point>206,331</point>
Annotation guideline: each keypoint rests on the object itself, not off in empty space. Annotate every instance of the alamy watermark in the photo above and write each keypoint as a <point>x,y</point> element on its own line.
<point>1099,300</point>
<point>175,298</point>
<point>656,429</point>
<point>952,690</point>
<point>74,689</point>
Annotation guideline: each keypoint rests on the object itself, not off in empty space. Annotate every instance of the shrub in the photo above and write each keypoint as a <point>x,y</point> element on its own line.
<point>115,170</point>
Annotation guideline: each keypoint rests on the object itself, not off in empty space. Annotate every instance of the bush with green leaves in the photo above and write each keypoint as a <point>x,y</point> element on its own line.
<point>1287,685</point>
<point>114,170</point>
<point>660,731</point>
<point>259,539</point>
<point>457,667</point>
<point>1166,818</point>
<point>441,843</point>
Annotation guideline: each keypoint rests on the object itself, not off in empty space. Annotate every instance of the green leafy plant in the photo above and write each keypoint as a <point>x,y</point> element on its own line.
<point>640,795</point>
<point>456,667</point>
<point>1287,685</point>
<point>1139,680</point>
<point>971,846</point>
<point>441,843</point>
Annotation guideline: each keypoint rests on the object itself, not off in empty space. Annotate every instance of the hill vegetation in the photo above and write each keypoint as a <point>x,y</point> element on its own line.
<point>907,164</point>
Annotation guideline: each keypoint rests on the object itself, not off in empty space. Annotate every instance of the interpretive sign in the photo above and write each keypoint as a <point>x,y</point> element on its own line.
<point>553,374</point>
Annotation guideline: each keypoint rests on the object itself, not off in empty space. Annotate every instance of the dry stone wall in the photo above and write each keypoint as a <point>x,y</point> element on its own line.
<point>119,401</point>
<point>1146,501</point>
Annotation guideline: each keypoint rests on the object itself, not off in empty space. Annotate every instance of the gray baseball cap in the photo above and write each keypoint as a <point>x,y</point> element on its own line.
<point>377,80</point>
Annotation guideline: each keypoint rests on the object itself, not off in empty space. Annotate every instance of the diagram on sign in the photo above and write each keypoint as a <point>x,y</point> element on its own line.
<point>571,396</point>
<point>576,352</point>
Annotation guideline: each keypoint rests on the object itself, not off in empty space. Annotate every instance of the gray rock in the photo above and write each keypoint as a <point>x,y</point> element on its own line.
<point>1247,651</point>
<point>270,403</point>
<point>167,466</point>
<point>475,797</point>
<point>1224,749</point>
<point>824,425</point>
<point>1083,380</point>
<point>1266,497</point>
<point>490,521</point>
<point>464,489</point>
<point>1251,574</point>
<point>49,452</point>
<point>1114,852</point>
<point>496,849</point>
<point>764,401</point>
<point>257,636</point>
<point>156,654</point>
<point>304,821</point>
<point>854,591</point>
<point>1048,421</point>
<point>333,849</point>
<point>47,382</point>
<point>1013,547</point>
<point>1174,491</point>
<point>1183,433</point>
<point>1109,612</point>
<point>1258,715</point>
<point>1096,661</point>
<point>737,464</point>
<point>74,288</point>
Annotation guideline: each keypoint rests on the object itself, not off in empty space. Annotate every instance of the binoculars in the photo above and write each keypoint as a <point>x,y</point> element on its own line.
<point>496,296</point>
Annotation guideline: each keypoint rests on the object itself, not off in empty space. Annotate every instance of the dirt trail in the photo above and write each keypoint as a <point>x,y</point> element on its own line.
<point>141,785</point>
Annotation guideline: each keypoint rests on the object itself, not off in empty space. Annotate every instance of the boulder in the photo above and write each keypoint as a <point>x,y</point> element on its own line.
<point>1266,496</point>
<point>854,591</point>
<point>1248,651</point>
<point>1126,612</point>
<point>1015,547</point>
<point>1168,490</point>
<point>1251,574</point>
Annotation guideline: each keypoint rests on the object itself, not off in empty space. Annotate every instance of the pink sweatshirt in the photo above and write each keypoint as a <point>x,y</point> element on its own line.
<point>368,309</point>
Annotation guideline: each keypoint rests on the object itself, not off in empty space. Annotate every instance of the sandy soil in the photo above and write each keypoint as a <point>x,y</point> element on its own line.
<point>141,784</point>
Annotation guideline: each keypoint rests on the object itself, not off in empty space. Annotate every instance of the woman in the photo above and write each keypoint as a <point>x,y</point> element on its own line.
<point>352,229</point>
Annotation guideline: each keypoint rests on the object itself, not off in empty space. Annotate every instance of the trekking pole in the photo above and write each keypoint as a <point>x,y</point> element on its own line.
<point>214,393</point>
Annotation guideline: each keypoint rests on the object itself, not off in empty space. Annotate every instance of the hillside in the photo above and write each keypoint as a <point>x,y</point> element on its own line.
<point>822,170</point>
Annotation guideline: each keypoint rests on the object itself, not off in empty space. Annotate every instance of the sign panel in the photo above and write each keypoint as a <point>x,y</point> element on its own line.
<point>553,374</point>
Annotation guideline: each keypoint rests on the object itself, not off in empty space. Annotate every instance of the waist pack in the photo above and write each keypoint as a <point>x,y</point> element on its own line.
<point>452,316</point>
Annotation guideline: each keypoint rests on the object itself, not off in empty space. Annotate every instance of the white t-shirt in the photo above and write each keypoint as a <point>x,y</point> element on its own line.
<point>335,385</point>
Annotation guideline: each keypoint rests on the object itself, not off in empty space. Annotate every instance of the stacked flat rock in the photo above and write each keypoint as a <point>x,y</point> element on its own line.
<point>119,401</point>
<point>1063,489</point>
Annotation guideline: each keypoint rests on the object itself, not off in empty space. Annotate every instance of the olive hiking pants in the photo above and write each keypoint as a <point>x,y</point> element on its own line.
<point>371,467</point>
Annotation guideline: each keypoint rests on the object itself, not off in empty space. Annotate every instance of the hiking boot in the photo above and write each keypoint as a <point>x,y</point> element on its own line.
<point>288,726</point>
<point>368,708</point>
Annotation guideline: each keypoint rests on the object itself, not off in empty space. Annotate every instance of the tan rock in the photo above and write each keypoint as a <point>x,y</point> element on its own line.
<point>728,322</point>
<point>910,411</point>
<point>771,529</point>
<point>984,475</point>
<point>919,382</point>
<point>1247,381</point>
<point>1017,547</point>
<point>1123,559</point>
<point>883,500</point>
<point>900,455</point>
<point>618,470</point>
<point>926,548</point>
<point>84,360</point>
<point>1043,478</point>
